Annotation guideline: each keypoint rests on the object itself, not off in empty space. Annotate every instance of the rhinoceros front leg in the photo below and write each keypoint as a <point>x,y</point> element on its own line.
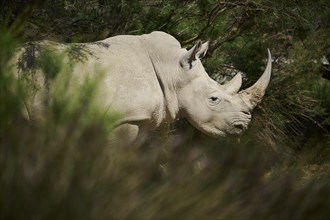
<point>126,134</point>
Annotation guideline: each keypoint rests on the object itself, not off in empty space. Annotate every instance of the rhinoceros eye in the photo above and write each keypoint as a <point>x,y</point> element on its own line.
<point>214,100</point>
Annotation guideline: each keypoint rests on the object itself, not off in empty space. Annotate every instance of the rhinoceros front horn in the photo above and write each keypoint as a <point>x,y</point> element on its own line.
<point>253,95</point>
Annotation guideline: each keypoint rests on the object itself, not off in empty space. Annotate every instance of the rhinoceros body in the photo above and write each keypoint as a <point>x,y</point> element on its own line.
<point>150,79</point>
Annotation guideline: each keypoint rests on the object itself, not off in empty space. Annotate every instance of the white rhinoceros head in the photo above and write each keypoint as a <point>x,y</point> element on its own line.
<point>215,109</point>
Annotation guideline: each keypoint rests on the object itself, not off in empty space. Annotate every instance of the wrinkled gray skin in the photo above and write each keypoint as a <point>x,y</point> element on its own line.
<point>150,79</point>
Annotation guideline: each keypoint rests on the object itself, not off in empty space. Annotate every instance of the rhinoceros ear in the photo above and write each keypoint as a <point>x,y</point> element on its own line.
<point>196,52</point>
<point>202,52</point>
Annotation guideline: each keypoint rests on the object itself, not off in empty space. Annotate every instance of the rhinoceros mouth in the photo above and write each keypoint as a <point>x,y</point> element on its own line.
<point>236,128</point>
<point>239,127</point>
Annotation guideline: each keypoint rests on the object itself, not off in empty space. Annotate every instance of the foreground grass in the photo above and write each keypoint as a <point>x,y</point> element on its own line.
<point>71,172</point>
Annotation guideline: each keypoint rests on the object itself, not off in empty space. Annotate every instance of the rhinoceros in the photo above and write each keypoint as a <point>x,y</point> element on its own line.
<point>150,79</point>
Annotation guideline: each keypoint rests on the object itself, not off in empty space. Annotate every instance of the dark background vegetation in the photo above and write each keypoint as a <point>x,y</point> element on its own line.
<point>279,169</point>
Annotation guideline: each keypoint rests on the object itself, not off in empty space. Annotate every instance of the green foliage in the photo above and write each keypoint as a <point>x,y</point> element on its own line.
<point>50,64</point>
<point>7,84</point>
<point>66,167</point>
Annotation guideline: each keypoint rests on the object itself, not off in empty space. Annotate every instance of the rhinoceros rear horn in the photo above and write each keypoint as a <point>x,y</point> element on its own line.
<point>253,95</point>
<point>233,86</point>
